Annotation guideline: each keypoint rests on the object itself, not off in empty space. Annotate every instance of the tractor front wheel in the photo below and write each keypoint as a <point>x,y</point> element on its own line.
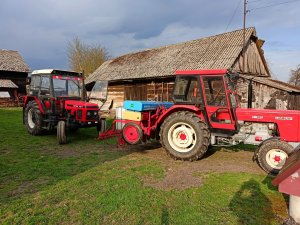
<point>33,118</point>
<point>184,136</point>
<point>61,132</point>
<point>272,155</point>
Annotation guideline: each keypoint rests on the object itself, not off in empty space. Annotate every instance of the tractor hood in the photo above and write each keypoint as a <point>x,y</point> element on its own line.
<point>71,104</point>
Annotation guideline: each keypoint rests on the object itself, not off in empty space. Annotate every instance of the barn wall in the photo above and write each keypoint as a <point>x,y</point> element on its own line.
<point>253,62</point>
<point>18,78</point>
<point>12,101</point>
<point>266,97</point>
<point>159,90</point>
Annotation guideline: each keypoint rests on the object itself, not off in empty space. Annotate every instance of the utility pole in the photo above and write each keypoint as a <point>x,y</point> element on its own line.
<point>244,34</point>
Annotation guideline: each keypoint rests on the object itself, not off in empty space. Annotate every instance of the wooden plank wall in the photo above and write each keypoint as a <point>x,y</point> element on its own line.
<point>253,62</point>
<point>116,95</point>
<point>135,92</point>
<point>266,97</point>
<point>160,91</point>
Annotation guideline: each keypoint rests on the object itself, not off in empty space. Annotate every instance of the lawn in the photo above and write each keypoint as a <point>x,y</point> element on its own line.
<point>93,182</point>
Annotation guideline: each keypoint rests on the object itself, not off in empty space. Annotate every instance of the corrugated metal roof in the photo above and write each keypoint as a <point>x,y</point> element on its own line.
<point>215,52</point>
<point>12,61</point>
<point>273,83</point>
<point>7,84</point>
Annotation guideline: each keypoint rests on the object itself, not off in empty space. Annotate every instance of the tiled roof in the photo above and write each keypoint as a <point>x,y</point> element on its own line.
<point>215,52</point>
<point>7,84</point>
<point>12,61</point>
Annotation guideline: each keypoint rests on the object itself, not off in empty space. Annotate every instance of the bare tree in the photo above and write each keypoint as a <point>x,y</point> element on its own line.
<point>295,76</point>
<point>83,57</point>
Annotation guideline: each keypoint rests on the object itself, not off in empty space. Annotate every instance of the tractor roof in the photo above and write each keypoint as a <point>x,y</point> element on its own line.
<point>202,72</point>
<point>56,72</point>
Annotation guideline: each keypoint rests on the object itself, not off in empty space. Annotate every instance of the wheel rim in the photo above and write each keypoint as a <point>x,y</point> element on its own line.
<point>182,137</point>
<point>131,134</point>
<point>276,158</point>
<point>31,118</point>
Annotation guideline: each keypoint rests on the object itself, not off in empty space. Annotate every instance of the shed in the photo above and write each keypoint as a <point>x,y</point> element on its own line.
<point>13,73</point>
<point>150,74</point>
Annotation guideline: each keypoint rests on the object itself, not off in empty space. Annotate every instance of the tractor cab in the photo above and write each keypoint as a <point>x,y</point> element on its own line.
<point>212,91</point>
<point>55,84</point>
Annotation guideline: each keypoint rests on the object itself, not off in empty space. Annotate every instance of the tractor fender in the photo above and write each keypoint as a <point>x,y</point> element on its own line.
<point>176,108</point>
<point>31,98</point>
<point>255,155</point>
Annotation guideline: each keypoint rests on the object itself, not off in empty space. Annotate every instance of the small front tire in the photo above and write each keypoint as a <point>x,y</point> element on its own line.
<point>272,155</point>
<point>61,132</point>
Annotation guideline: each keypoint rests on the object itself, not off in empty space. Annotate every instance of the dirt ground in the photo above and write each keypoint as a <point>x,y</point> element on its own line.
<point>181,174</point>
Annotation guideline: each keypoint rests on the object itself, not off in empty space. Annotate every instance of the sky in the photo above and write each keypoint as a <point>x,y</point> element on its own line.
<point>41,29</point>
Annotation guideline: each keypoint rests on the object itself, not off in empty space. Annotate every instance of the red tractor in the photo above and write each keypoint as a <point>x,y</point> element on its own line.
<point>56,98</point>
<point>206,112</point>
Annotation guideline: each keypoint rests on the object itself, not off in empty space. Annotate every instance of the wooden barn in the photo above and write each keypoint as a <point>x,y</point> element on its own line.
<point>149,74</point>
<point>13,73</point>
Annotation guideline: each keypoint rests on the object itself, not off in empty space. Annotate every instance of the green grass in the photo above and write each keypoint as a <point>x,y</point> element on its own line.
<point>88,182</point>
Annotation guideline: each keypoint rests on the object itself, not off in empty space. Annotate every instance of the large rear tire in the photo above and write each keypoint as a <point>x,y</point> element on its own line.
<point>184,136</point>
<point>61,132</point>
<point>33,118</point>
<point>272,155</point>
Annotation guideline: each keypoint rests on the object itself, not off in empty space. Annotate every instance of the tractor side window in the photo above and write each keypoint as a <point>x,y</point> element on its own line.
<point>35,84</point>
<point>45,85</point>
<point>214,91</point>
<point>187,90</point>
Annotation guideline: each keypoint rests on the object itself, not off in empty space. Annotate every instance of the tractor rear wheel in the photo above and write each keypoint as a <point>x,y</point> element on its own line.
<point>272,155</point>
<point>184,136</point>
<point>33,118</point>
<point>61,132</point>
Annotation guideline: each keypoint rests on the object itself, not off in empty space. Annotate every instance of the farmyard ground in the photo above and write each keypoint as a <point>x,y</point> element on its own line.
<point>93,182</point>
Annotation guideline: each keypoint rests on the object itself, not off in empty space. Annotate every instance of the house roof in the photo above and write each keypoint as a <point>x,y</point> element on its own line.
<point>7,84</point>
<point>273,83</point>
<point>215,52</point>
<point>12,61</point>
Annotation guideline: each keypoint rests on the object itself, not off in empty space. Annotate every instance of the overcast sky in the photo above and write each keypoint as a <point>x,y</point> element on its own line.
<point>41,29</point>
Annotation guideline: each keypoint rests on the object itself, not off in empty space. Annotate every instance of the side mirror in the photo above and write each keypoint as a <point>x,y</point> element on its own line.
<point>28,89</point>
<point>28,80</point>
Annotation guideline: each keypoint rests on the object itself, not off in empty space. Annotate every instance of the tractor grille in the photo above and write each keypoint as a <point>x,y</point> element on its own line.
<point>92,115</point>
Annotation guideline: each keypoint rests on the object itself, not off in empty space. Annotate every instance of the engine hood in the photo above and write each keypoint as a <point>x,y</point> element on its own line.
<point>80,104</point>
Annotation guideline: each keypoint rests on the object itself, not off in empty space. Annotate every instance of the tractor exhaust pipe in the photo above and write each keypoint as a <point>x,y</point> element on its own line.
<point>250,94</point>
<point>83,88</point>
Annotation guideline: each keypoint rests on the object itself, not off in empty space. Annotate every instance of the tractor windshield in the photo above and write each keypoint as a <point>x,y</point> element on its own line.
<point>66,86</point>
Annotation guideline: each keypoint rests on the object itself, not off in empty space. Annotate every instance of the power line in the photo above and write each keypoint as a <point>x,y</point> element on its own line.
<point>267,6</point>
<point>256,1</point>
<point>229,23</point>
